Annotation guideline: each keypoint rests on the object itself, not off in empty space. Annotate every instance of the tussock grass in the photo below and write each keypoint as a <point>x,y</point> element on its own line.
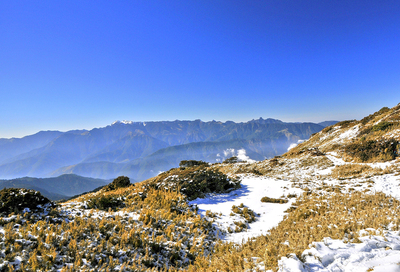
<point>266,199</point>
<point>312,217</point>
<point>248,214</point>
<point>354,171</point>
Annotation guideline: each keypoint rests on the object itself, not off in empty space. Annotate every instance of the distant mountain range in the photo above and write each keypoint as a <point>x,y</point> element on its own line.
<point>142,149</point>
<point>62,187</point>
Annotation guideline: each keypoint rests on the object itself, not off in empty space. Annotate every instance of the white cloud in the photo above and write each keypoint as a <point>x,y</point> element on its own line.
<point>230,152</point>
<point>241,154</point>
<point>293,145</point>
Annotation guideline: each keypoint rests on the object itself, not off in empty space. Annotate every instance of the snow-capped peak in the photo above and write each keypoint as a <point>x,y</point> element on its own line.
<point>125,122</point>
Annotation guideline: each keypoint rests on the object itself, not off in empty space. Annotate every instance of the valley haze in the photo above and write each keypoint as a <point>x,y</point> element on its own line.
<point>141,150</point>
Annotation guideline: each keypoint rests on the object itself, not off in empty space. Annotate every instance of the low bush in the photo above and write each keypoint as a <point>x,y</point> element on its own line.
<point>191,163</point>
<point>370,150</point>
<point>248,214</point>
<point>105,203</point>
<point>382,126</point>
<point>17,199</point>
<point>119,182</point>
<point>196,181</point>
<point>231,160</point>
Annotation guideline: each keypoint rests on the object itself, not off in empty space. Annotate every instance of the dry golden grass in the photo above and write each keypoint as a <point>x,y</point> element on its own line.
<point>165,227</point>
<point>354,170</point>
<point>273,200</point>
<point>313,217</point>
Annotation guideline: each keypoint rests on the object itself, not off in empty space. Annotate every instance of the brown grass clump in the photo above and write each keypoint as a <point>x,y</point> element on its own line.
<point>345,124</point>
<point>313,217</point>
<point>248,214</point>
<point>354,171</point>
<point>266,199</point>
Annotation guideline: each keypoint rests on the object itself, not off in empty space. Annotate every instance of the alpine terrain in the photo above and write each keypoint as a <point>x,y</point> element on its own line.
<point>331,203</point>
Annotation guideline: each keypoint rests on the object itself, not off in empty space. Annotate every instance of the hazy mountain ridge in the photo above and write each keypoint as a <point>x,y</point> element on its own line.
<point>56,188</point>
<point>16,146</point>
<point>127,147</point>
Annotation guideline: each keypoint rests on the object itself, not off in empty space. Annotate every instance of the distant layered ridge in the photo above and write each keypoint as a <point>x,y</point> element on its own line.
<point>143,149</point>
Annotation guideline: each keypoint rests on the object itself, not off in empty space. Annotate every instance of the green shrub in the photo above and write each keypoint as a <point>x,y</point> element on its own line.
<point>191,163</point>
<point>120,182</point>
<point>382,150</point>
<point>231,160</point>
<point>105,203</point>
<point>16,199</point>
<point>196,181</point>
<point>382,126</point>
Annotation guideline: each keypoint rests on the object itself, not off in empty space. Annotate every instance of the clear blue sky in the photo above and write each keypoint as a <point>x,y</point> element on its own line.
<point>83,64</point>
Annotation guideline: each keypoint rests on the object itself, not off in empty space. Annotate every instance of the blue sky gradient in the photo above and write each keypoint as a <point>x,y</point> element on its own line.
<point>84,64</point>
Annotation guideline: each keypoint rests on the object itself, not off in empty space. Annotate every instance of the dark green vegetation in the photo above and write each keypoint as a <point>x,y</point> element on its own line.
<point>382,126</point>
<point>14,200</point>
<point>120,182</point>
<point>233,159</point>
<point>141,150</point>
<point>195,181</point>
<point>373,150</point>
<point>62,187</point>
<point>106,202</point>
<point>191,163</point>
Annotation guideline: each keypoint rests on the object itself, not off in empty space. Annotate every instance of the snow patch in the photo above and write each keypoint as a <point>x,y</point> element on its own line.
<point>350,133</point>
<point>380,253</point>
<point>253,189</point>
